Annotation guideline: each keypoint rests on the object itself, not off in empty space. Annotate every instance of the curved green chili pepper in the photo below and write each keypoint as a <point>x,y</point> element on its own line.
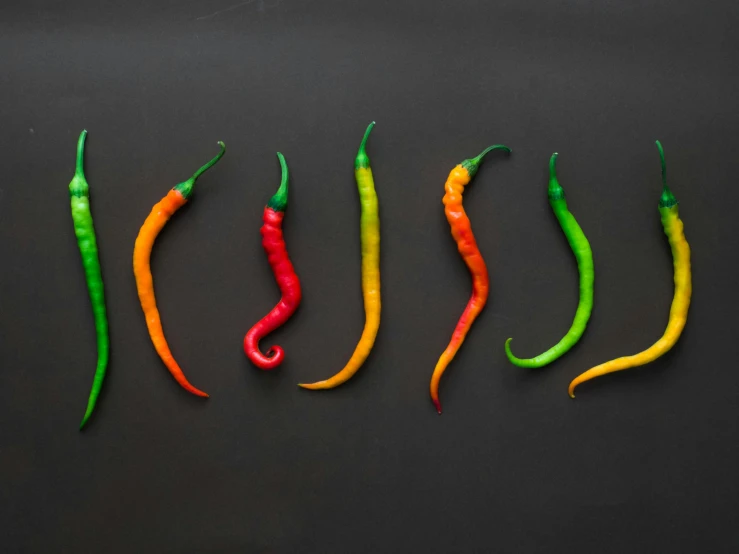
<point>79,192</point>
<point>584,256</point>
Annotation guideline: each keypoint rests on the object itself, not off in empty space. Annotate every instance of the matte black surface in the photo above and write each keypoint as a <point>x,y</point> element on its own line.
<point>642,461</point>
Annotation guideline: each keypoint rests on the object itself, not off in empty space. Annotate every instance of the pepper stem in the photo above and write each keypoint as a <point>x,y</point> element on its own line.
<point>78,185</point>
<point>553,166</point>
<point>555,192</point>
<point>279,201</point>
<point>185,188</point>
<point>667,199</point>
<point>80,169</point>
<point>473,164</point>
<point>362,160</point>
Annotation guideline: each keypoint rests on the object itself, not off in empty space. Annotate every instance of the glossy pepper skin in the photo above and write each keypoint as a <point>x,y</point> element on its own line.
<point>79,193</point>
<point>370,239</point>
<point>155,222</point>
<point>673,227</point>
<point>274,245</point>
<point>461,229</point>
<point>584,256</point>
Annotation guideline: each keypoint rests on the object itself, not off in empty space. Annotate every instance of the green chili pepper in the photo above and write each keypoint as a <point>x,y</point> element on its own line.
<point>584,256</point>
<point>79,192</point>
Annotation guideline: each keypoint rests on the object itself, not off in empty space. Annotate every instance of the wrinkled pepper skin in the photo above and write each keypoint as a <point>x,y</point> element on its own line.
<point>461,230</point>
<point>673,228</point>
<point>273,243</point>
<point>154,223</point>
<point>79,193</point>
<point>370,240</point>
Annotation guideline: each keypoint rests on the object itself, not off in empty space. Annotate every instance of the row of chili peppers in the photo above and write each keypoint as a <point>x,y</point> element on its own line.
<point>289,284</point>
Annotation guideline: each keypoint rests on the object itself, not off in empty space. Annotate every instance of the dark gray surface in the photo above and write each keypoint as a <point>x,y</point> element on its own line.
<point>643,461</point>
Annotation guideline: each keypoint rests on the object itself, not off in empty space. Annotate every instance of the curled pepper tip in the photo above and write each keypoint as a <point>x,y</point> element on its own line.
<point>508,347</point>
<point>512,358</point>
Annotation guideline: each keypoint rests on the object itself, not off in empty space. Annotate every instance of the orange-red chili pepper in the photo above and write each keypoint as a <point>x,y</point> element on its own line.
<point>274,245</point>
<point>160,214</point>
<point>460,176</point>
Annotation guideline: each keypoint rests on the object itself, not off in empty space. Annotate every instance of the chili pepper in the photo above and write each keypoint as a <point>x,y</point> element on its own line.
<point>459,177</point>
<point>274,245</point>
<point>79,192</point>
<point>370,239</point>
<point>160,214</point>
<point>673,227</point>
<point>584,256</point>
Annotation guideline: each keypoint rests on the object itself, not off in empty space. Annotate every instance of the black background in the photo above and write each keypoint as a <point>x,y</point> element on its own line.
<point>641,461</point>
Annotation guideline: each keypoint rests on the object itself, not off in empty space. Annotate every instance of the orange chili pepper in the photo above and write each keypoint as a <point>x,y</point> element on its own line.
<point>460,176</point>
<point>160,214</point>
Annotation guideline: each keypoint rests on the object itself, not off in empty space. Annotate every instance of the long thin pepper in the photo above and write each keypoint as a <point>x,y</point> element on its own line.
<point>461,229</point>
<point>584,256</point>
<point>274,245</point>
<point>370,239</point>
<point>79,192</point>
<point>160,214</point>
<point>673,227</point>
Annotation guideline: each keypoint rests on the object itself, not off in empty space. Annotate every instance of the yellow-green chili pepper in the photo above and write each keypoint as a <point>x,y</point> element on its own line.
<point>673,227</point>
<point>370,238</point>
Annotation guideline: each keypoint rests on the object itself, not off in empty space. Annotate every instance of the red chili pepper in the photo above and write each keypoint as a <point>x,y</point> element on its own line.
<point>274,244</point>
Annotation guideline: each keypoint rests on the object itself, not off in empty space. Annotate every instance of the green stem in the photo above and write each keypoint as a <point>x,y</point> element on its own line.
<point>78,187</point>
<point>473,164</point>
<point>555,192</point>
<point>185,188</point>
<point>80,169</point>
<point>662,160</point>
<point>553,166</point>
<point>279,201</point>
<point>667,199</point>
<point>362,160</point>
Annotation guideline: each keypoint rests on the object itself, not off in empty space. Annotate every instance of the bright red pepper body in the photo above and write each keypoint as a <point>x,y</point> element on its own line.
<point>274,245</point>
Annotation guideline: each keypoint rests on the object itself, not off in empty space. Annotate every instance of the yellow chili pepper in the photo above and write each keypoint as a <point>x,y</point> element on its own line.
<point>673,227</point>
<point>370,239</point>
